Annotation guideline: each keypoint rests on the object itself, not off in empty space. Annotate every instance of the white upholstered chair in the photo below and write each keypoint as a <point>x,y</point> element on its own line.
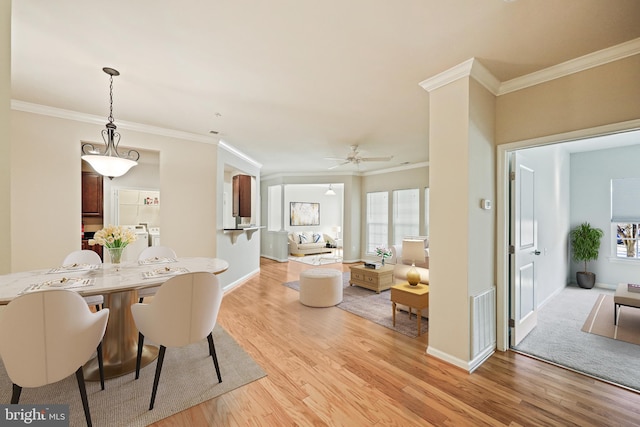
<point>46,336</point>
<point>86,256</point>
<point>184,311</point>
<point>149,253</point>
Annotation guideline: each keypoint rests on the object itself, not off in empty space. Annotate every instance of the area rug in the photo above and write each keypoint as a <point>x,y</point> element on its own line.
<point>320,259</point>
<point>600,321</point>
<point>188,378</point>
<point>374,307</point>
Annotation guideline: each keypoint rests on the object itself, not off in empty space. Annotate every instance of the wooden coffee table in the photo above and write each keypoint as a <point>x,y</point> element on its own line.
<point>377,280</point>
<point>412,296</point>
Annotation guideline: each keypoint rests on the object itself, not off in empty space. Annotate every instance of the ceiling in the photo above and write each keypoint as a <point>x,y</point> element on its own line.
<point>303,79</point>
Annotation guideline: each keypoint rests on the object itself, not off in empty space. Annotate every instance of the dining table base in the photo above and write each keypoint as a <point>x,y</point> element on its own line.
<point>120,342</point>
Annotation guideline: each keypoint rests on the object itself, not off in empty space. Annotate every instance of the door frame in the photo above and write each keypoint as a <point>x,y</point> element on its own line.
<point>503,152</point>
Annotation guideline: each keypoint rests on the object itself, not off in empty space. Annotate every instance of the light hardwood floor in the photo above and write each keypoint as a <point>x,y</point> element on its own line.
<point>326,366</point>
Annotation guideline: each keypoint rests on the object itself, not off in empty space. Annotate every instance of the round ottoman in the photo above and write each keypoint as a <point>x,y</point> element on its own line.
<point>321,287</point>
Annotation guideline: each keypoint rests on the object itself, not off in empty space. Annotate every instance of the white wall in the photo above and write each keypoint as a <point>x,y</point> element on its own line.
<point>591,174</point>
<point>331,207</point>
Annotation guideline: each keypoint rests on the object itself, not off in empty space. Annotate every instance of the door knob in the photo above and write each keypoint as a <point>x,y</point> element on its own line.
<point>536,252</point>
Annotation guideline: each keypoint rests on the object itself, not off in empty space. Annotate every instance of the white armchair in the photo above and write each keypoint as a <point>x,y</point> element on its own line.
<point>184,311</point>
<point>402,266</point>
<point>152,252</point>
<point>46,336</point>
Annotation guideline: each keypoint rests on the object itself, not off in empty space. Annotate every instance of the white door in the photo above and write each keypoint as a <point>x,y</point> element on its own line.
<point>524,243</point>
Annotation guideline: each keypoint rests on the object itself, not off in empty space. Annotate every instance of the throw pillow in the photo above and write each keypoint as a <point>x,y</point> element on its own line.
<point>303,238</point>
<point>317,238</point>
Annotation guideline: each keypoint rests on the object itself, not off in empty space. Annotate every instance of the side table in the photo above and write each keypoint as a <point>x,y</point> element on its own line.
<point>412,296</point>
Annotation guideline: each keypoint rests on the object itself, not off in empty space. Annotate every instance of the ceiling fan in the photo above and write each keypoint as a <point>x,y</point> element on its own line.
<point>354,157</point>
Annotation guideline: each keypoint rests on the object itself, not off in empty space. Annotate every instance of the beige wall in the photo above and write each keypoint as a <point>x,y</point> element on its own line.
<point>449,217</point>
<point>5,159</point>
<point>46,193</point>
<point>599,96</point>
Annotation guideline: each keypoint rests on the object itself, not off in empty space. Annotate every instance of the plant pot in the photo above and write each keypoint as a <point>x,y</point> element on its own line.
<point>586,279</point>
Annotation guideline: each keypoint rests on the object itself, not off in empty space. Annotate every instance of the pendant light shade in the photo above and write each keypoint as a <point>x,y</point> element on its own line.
<point>330,192</point>
<point>110,163</point>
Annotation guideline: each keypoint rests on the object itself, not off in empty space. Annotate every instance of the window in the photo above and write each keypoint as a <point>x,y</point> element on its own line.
<point>377,220</point>
<point>625,217</point>
<point>406,214</point>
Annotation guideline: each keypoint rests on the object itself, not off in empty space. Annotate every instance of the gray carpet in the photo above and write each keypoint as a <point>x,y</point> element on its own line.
<point>374,307</point>
<point>558,339</point>
<point>188,378</point>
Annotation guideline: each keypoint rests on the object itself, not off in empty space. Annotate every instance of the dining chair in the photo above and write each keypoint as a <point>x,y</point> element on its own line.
<point>46,336</point>
<point>184,311</point>
<point>86,256</point>
<point>150,253</point>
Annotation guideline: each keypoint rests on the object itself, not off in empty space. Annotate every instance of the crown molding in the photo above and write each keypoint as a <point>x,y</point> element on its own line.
<point>238,153</point>
<point>591,60</point>
<point>88,118</point>
<point>469,68</point>
<point>473,68</point>
<point>397,169</point>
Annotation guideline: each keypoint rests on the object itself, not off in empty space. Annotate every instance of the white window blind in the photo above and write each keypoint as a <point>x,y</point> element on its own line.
<point>406,214</point>
<point>377,220</point>
<point>625,200</point>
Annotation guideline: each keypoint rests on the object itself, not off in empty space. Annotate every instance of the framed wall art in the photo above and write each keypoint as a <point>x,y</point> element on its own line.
<point>303,213</point>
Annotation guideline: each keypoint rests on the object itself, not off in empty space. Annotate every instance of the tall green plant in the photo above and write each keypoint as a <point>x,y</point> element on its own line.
<point>585,241</point>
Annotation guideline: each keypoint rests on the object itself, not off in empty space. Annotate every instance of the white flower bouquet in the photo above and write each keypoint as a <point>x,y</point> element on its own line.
<point>114,236</point>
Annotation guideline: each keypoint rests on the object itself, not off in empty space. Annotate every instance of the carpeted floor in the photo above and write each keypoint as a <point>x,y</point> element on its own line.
<point>320,259</point>
<point>558,338</point>
<point>374,307</point>
<point>188,378</point>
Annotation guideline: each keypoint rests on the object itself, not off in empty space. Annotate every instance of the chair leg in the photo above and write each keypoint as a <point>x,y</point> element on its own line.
<point>140,300</point>
<point>97,306</point>
<point>100,365</point>
<point>156,380</point>
<point>83,395</point>
<point>214,356</point>
<point>139,357</point>
<point>15,397</point>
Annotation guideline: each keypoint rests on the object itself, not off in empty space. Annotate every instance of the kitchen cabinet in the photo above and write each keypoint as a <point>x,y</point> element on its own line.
<point>242,196</point>
<point>92,201</point>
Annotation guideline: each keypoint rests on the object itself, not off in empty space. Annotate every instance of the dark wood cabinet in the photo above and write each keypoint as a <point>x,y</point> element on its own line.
<point>92,201</point>
<point>242,196</point>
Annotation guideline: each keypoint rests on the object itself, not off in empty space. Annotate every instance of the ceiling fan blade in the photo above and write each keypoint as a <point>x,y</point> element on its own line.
<point>337,159</point>
<point>338,165</point>
<point>376,159</point>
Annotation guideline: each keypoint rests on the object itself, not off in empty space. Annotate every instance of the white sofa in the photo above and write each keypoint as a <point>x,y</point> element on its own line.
<point>309,242</point>
<point>401,266</point>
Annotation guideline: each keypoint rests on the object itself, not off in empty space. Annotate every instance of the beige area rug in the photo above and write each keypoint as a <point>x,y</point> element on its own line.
<point>188,378</point>
<point>375,307</point>
<point>320,259</point>
<point>600,321</point>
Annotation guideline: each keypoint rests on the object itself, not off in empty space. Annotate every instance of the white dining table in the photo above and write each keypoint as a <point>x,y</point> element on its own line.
<point>119,283</point>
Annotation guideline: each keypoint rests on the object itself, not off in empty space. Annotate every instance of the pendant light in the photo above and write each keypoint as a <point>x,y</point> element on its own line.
<point>110,163</point>
<point>330,192</point>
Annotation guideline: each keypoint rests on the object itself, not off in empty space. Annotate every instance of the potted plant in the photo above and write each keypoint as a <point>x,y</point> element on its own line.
<point>585,241</point>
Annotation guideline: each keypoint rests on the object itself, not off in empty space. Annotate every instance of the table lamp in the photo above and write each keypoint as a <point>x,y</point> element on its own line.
<point>413,250</point>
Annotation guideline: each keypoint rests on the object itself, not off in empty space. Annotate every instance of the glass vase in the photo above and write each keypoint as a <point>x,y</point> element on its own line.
<point>115,254</point>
